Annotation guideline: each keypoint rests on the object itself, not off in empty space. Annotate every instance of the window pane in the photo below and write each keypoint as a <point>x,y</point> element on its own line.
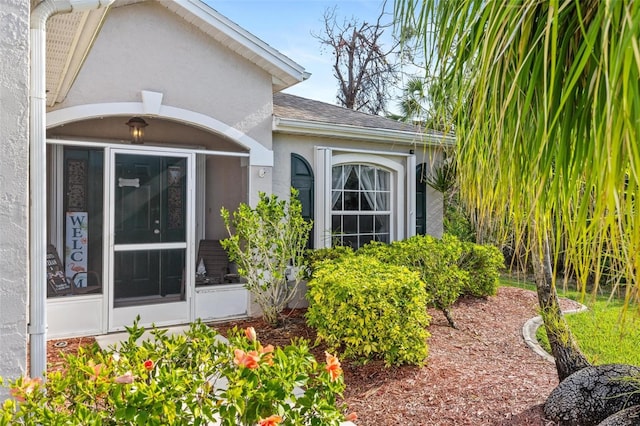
<point>350,242</point>
<point>383,238</point>
<point>366,224</point>
<point>382,224</point>
<point>350,224</point>
<point>336,224</point>
<point>382,201</point>
<point>351,200</point>
<point>368,178</point>
<point>337,196</point>
<point>364,200</point>
<point>336,181</point>
<point>366,239</point>
<point>352,180</point>
<point>382,183</point>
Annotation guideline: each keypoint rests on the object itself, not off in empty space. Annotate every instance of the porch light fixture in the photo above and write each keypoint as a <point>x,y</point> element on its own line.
<point>136,129</point>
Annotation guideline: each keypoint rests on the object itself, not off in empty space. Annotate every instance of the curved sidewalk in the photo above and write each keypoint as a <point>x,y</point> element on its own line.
<point>530,328</point>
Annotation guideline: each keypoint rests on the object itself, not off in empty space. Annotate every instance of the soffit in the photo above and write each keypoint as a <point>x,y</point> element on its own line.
<point>69,38</point>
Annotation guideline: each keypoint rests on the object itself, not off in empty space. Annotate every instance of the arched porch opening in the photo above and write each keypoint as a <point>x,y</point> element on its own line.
<point>174,183</point>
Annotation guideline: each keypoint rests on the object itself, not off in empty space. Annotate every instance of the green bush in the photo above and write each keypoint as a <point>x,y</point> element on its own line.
<point>314,257</point>
<point>381,251</point>
<point>436,261</point>
<point>173,381</point>
<point>368,309</point>
<point>483,263</point>
<point>456,222</point>
<point>268,244</point>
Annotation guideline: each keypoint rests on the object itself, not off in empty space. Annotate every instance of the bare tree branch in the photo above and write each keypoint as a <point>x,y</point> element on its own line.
<point>365,71</point>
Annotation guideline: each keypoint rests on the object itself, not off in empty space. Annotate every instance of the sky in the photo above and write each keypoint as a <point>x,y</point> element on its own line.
<point>286,25</point>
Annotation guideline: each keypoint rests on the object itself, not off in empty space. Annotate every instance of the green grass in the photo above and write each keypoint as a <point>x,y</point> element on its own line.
<point>603,335</point>
<point>512,282</point>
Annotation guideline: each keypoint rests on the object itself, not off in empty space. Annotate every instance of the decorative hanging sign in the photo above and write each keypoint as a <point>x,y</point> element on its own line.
<point>76,247</point>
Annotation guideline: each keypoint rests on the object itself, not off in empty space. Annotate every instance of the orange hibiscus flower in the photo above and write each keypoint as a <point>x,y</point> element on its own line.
<point>250,332</point>
<point>270,421</point>
<point>267,354</point>
<point>333,366</point>
<point>27,387</point>
<point>246,359</point>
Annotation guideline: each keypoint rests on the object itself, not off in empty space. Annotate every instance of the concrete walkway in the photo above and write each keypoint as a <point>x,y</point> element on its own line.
<point>109,340</point>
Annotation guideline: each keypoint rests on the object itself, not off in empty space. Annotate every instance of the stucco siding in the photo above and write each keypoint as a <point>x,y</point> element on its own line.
<point>14,162</point>
<point>305,146</point>
<point>285,145</point>
<point>146,47</point>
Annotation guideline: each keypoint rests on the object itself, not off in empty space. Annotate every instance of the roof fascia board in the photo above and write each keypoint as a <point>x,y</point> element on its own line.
<point>341,131</point>
<point>249,41</point>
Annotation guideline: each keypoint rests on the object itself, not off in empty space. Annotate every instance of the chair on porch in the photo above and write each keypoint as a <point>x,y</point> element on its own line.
<point>57,282</point>
<point>216,262</point>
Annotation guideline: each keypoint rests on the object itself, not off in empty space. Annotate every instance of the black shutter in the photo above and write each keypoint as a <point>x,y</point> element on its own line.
<point>302,180</point>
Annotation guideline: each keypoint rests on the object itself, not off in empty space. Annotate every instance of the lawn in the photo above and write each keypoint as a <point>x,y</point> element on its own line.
<point>605,334</point>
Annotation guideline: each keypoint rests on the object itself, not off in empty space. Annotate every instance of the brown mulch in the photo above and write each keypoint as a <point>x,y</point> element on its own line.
<point>481,374</point>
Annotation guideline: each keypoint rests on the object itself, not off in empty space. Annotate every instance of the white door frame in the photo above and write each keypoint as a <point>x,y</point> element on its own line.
<point>159,314</point>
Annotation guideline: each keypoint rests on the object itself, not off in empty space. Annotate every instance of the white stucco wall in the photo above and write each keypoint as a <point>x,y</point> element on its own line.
<point>284,145</point>
<point>14,163</point>
<point>144,46</point>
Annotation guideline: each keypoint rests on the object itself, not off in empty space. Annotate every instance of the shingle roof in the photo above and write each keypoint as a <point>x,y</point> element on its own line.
<point>297,108</point>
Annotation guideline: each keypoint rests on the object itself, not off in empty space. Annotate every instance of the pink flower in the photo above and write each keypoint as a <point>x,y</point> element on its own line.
<point>250,332</point>
<point>333,366</point>
<point>148,365</point>
<point>270,421</point>
<point>249,359</point>
<point>97,369</point>
<point>125,379</point>
<point>27,386</point>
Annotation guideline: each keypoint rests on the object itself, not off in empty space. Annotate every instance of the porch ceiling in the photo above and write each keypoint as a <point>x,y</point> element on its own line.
<point>159,132</point>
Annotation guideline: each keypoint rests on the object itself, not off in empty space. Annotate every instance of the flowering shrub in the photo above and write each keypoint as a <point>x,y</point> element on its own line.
<point>183,379</point>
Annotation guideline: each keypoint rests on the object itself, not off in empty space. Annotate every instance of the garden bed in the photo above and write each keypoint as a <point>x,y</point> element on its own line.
<point>481,374</point>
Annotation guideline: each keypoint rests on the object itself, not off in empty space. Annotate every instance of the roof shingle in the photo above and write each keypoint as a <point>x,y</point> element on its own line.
<point>294,107</point>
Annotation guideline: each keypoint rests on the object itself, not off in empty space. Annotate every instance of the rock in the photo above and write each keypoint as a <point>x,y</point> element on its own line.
<point>589,396</point>
<point>627,417</point>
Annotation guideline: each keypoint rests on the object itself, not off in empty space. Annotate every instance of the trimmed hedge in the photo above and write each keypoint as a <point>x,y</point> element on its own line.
<point>368,309</point>
<point>436,260</point>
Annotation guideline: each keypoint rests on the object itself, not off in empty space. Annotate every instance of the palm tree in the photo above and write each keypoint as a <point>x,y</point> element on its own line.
<point>548,138</point>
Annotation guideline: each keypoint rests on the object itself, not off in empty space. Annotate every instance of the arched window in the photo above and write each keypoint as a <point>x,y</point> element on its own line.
<point>360,204</point>
<point>302,180</point>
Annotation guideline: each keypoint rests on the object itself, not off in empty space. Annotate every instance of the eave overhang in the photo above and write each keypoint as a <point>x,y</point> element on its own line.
<point>341,131</point>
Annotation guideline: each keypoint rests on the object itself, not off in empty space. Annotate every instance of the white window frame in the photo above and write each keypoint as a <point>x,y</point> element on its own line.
<point>359,213</point>
<point>402,201</point>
